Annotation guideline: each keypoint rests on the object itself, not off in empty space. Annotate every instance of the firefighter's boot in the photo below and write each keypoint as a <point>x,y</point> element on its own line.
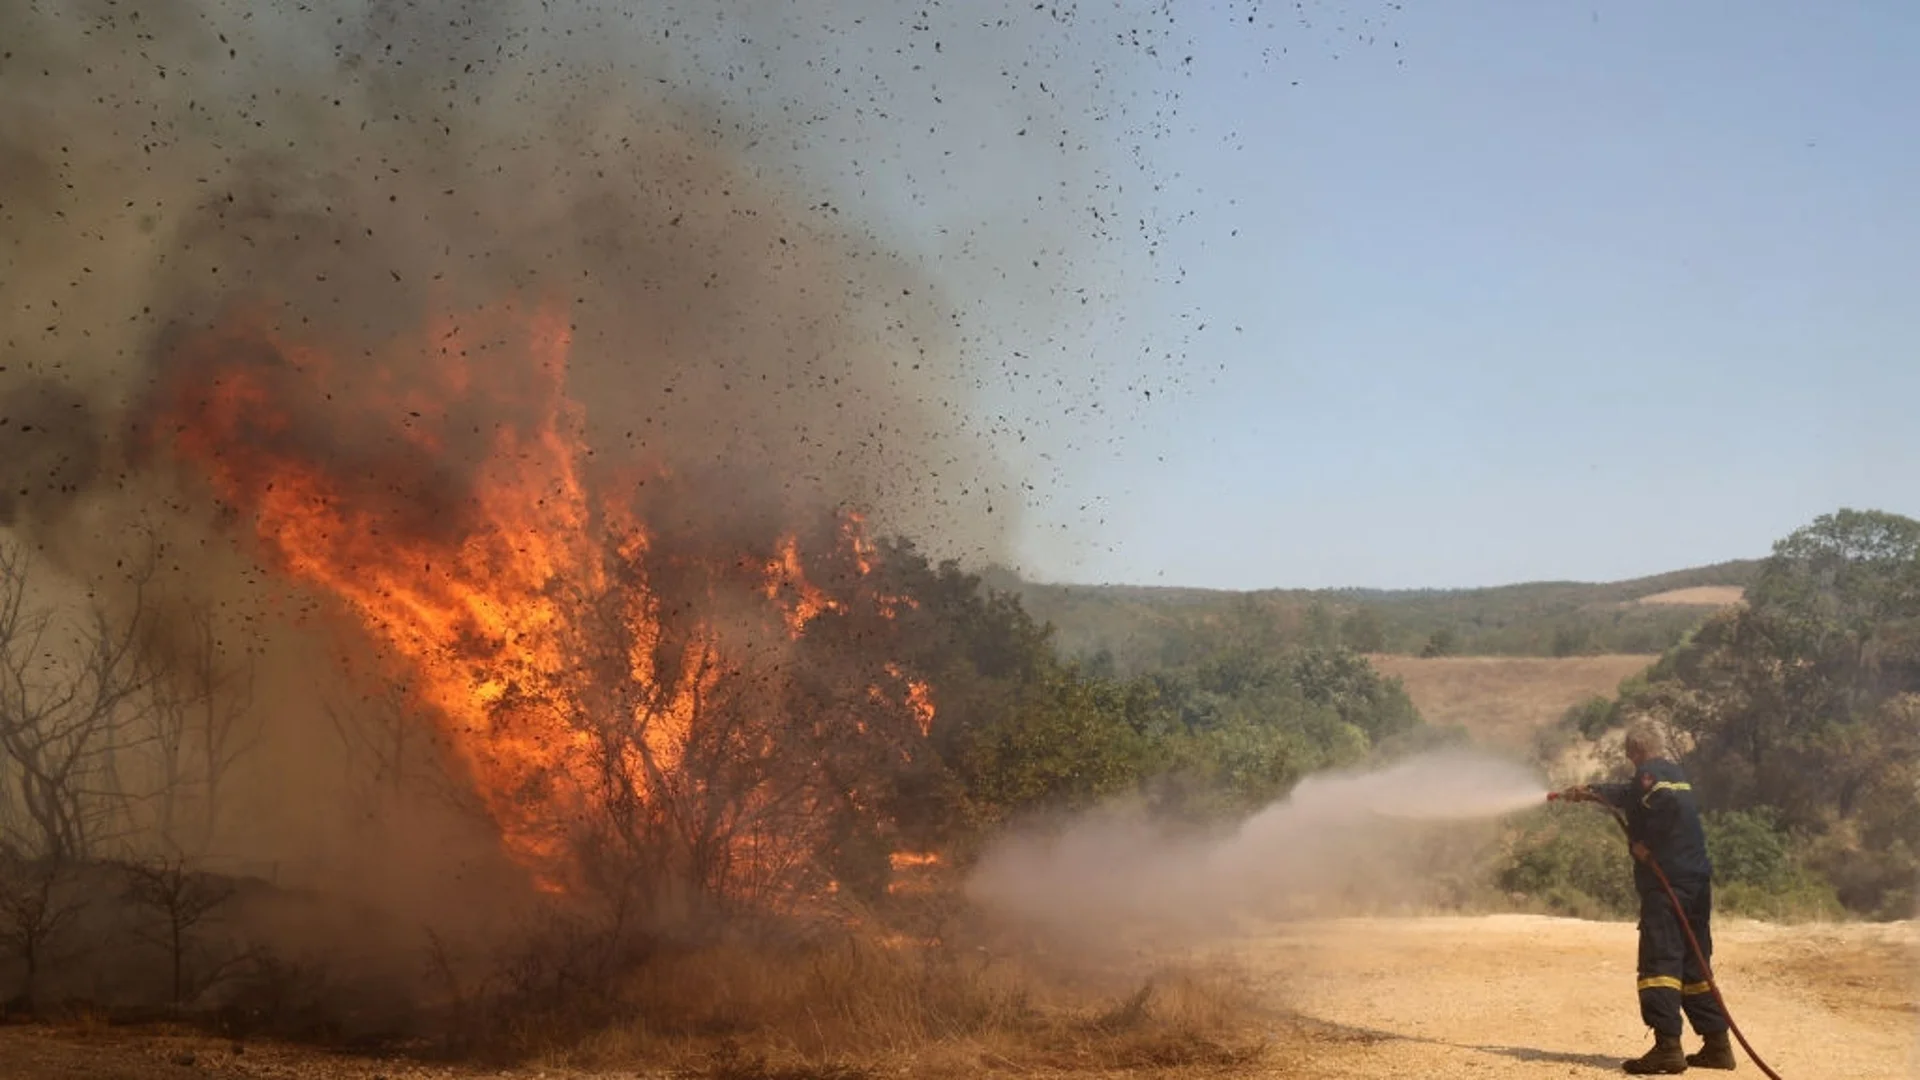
<point>1716,1054</point>
<point>1665,1058</point>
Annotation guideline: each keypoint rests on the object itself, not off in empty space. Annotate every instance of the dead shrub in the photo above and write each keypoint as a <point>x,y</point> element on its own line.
<point>841,1004</point>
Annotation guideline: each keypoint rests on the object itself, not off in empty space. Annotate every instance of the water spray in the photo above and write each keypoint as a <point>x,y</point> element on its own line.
<point>1106,869</point>
<point>1336,834</point>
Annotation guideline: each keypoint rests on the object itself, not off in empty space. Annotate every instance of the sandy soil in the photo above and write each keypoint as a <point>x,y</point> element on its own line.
<point>1529,996</point>
<point>1487,996</point>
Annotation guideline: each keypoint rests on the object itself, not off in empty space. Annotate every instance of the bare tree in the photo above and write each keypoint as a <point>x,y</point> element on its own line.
<point>382,743</point>
<point>228,728</point>
<point>203,722</point>
<point>72,698</point>
<point>182,899</point>
<point>35,907</point>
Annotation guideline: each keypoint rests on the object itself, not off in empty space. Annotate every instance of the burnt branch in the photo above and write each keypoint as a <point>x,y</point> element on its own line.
<point>181,900</point>
<point>36,906</point>
<point>74,696</point>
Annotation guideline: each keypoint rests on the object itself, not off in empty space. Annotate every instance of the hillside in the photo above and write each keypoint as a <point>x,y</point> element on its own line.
<point>1137,627</point>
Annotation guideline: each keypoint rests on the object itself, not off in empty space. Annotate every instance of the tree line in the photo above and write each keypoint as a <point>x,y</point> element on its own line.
<point>1230,724</point>
<point>1135,628</point>
<point>1799,712</point>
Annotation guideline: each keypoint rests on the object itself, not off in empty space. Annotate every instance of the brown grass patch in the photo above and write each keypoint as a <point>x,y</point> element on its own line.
<point>854,1008</point>
<point>1705,596</point>
<point>1503,700</point>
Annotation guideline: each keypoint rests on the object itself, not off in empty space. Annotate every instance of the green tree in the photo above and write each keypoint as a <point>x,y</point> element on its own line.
<point>1344,681</point>
<point>1590,717</point>
<point>1364,631</point>
<point>1572,639</point>
<point>1318,626</point>
<point>1569,862</point>
<point>1231,717</point>
<point>1802,701</point>
<point>1066,742</point>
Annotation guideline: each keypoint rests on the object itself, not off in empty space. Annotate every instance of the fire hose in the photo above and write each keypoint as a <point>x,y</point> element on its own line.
<point>1686,927</point>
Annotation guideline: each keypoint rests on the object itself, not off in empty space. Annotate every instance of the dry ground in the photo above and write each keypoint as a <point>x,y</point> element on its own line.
<point>1709,596</point>
<point>1503,700</point>
<point>1530,996</point>
<point>1486,996</point>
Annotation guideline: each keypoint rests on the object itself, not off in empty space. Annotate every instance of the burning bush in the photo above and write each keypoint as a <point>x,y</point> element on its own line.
<point>629,690</point>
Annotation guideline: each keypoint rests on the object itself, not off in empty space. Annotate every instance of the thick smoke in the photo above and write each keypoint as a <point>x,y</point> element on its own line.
<point>1343,842</point>
<point>690,186</point>
<point>357,170</point>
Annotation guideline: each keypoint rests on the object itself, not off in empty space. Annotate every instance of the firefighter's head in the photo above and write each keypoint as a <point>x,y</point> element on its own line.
<point>1644,742</point>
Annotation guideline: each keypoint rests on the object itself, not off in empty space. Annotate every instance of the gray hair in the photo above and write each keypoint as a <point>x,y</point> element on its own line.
<point>1645,738</point>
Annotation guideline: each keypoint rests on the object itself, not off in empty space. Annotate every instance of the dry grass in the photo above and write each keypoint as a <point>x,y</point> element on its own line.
<point>1705,596</point>
<point>857,1007</point>
<point>1503,700</point>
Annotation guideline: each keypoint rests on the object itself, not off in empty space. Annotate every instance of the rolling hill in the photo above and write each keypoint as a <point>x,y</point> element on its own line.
<point>1134,627</point>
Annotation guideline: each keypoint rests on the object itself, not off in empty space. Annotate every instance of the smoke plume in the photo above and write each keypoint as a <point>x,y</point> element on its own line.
<point>1343,842</point>
<point>353,172</point>
<point>279,223</point>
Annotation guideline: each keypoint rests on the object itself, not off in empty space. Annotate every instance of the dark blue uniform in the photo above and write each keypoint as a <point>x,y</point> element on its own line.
<point>1661,814</point>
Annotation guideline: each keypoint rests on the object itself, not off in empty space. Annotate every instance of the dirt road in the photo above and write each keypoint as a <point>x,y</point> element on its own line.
<point>1528,996</point>
<point>1488,996</point>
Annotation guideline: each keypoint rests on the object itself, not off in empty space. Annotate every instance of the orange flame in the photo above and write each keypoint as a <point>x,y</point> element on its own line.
<point>913,872</point>
<point>787,577</point>
<point>495,598</point>
<point>854,532</point>
<point>476,613</point>
<point>920,700</point>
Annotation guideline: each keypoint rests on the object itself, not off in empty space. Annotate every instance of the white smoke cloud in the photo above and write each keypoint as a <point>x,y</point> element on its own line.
<point>1348,841</point>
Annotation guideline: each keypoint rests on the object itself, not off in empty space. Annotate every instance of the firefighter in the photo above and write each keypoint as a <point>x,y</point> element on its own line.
<point>1663,827</point>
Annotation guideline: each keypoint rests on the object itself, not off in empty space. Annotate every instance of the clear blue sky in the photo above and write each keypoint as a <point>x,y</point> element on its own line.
<point>1389,294</point>
<point>1540,291</point>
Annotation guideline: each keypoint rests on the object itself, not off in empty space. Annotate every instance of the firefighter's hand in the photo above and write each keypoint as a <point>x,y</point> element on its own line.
<point>1640,851</point>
